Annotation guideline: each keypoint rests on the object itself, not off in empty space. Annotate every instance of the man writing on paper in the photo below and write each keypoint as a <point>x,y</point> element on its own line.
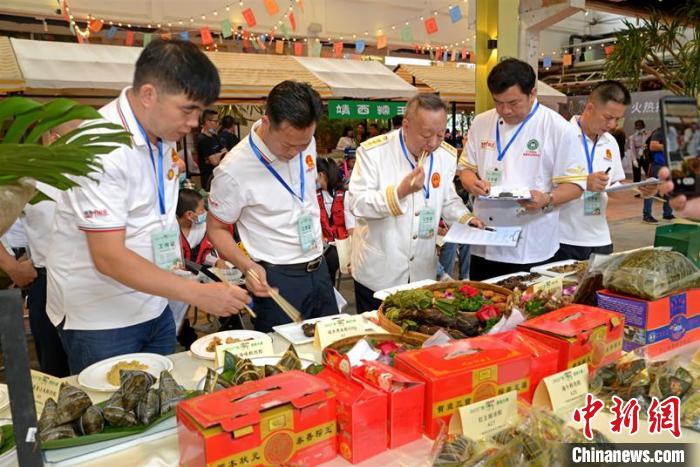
<point>266,185</point>
<point>583,228</point>
<point>520,143</point>
<point>401,186</point>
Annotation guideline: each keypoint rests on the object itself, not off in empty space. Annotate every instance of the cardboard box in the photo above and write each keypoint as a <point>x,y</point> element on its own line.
<point>286,418</point>
<point>545,359</point>
<point>580,333</point>
<point>660,325</point>
<point>463,372</point>
<point>405,397</point>
<point>362,416</point>
<point>683,238</point>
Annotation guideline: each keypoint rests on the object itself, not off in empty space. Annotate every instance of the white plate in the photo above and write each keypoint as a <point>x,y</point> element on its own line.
<point>382,294</point>
<point>199,347</point>
<point>545,272</point>
<point>493,280</point>
<point>4,397</point>
<point>94,377</point>
<point>259,361</point>
<point>295,334</point>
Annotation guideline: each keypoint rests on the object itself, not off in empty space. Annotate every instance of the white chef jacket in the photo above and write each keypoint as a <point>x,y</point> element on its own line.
<point>574,227</point>
<point>244,192</point>
<point>544,154</point>
<point>123,197</point>
<point>38,222</point>
<point>386,249</point>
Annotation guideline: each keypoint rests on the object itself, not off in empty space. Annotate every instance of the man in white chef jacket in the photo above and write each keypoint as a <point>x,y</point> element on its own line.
<point>583,228</point>
<point>520,144</point>
<point>399,190</point>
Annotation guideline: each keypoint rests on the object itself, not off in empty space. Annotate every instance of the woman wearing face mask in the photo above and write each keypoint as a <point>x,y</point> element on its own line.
<point>337,222</point>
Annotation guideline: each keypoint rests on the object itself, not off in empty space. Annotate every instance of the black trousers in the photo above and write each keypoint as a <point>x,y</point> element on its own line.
<point>637,172</point>
<point>364,300</point>
<point>481,269</point>
<point>310,292</point>
<point>49,349</point>
<point>580,253</point>
<point>332,261</point>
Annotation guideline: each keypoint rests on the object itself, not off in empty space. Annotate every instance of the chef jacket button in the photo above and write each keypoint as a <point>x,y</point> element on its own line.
<point>411,258</point>
<point>415,237</point>
<point>491,219</point>
<point>418,214</point>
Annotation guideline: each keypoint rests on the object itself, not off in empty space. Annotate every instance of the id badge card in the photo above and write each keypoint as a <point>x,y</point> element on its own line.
<point>166,249</point>
<point>592,203</point>
<point>494,176</point>
<point>426,222</point>
<point>305,224</point>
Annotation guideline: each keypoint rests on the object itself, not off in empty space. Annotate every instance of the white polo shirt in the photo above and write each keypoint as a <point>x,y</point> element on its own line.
<point>124,197</point>
<point>245,192</point>
<point>38,222</point>
<point>386,248</point>
<point>575,228</point>
<point>543,154</point>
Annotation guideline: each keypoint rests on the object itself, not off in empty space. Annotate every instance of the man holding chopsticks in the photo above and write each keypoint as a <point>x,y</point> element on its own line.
<point>266,185</point>
<point>399,190</point>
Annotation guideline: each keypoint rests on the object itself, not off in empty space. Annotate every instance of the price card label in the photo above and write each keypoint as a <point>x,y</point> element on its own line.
<point>245,349</point>
<point>564,391</point>
<point>44,387</point>
<point>551,286</point>
<point>486,418</point>
<point>331,330</point>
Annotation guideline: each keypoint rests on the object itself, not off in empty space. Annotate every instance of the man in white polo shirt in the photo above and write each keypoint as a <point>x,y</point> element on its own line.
<point>583,228</point>
<point>521,144</point>
<point>401,186</point>
<point>116,237</point>
<point>266,185</point>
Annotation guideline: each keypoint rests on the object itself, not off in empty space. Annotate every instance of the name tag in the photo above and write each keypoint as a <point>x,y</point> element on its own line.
<point>305,224</point>
<point>426,223</point>
<point>166,249</point>
<point>494,176</point>
<point>592,203</point>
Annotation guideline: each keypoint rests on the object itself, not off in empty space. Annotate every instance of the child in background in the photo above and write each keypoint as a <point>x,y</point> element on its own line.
<point>192,218</point>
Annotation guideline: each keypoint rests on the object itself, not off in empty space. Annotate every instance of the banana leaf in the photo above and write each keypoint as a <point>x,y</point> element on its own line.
<point>8,436</point>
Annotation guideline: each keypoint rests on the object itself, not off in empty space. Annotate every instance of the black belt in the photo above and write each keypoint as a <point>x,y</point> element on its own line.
<point>311,266</point>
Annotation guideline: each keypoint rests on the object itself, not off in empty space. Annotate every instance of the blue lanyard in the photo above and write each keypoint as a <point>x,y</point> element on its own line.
<point>589,155</point>
<point>426,187</point>
<point>159,170</point>
<point>501,154</point>
<point>277,175</point>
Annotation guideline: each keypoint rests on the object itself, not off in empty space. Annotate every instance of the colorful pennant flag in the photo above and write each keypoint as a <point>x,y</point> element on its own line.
<point>453,58</point>
<point>129,38</point>
<point>80,38</point>
<point>315,49</point>
<point>71,28</point>
<point>285,30</point>
<point>588,55</point>
<point>445,54</point>
<point>359,46</point>
<point>279,47</point>
<point>226,30</point>
<point>547,61</point>
<point>256,44</point>
<point>298,49</point>
<point>249,17</point>
<point>184,36</point>
<point>464,54</point>
<point>206,36</point>
<point>338,49</point>
<point>609,50</point>
<point>95,25</point>
<point>146,38</point>
<point>567,59</point>
<point>432,54</point>
<point>301,5</point>
<point>112,32</point>
<point>455,14</point>
<point>406,34</point>
<point>261,43</point>
<point>271,7</point>
<point>381,41</point>
<point>246,40</point>
<point>431,26</point>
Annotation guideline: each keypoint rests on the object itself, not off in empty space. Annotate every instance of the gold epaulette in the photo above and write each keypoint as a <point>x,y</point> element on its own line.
<point>374,142</point>
<point>449,148</point>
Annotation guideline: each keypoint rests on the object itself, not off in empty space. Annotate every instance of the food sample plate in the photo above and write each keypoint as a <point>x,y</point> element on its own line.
<point>205,347</point>
<point>294,333</point>
<point>4,397</point>
<point>94,377</point>
<point>259,361</point>
<point>382,294</point>
<point>546,269</point>
<point>513,278</point>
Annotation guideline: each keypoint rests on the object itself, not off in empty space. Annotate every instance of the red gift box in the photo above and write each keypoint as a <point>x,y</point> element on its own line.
<point>463,372</point>
<point>286,418</point>
<point>405,414</point>
<point>362,416</point>
<point>581,334</point>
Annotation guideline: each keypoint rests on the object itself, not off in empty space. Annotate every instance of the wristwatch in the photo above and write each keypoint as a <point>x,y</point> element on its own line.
<point>549,207</point>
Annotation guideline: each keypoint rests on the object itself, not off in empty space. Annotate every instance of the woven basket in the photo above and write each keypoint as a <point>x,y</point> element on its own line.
<point>394,328</point>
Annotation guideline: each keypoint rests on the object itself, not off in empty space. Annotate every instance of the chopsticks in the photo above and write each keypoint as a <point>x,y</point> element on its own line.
<point>423,155</point>
<point>287,307</point>
<point>223,279</point>
<point>649,197</point>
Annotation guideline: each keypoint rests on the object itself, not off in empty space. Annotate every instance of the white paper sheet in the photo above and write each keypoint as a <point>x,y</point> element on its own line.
<point>630,186</point>
<point>500,236</point>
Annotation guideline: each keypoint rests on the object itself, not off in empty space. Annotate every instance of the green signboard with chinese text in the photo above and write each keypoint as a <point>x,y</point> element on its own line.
<point>338,109</point>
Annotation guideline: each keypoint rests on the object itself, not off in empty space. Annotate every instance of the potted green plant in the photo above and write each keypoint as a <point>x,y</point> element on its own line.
<point>25,161</point>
